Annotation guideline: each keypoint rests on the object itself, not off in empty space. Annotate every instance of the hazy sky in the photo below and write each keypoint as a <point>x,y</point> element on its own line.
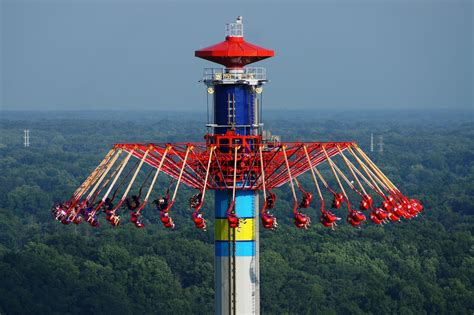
<point>105,54</point>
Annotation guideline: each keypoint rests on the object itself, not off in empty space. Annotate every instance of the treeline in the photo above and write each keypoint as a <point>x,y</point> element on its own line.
<point>424,266</point>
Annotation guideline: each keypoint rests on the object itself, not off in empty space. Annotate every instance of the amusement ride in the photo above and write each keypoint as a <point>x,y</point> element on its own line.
<point>238,163</point>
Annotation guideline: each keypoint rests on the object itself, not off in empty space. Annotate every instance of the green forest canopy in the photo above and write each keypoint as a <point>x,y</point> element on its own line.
<point>417,267</point>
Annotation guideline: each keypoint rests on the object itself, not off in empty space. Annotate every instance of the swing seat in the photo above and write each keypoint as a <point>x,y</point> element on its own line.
<point>234,225</point>
<point>375,219</point>
<point>115,220</point>
<point>268,221</point>
<point>195,201</point>
<point>357,216</point>
<point>164,207</point>
<point>364,205</point>
<point>337,201</point>
<point>300,225</point>
<point>410,210</point>
<point>139,225</point>
<point>391,200</point>
<point>336,204</point>
<point>271,199</point>
<point>353,222</point>
<point>386,205</point>
<point>399,211</point>
<point>268,226</point>
<point>380,214</point>
<point>134,217</point>
<point>199,221</point>
<point>393,217</point>
<point>78,219</point>
<point>233,220</point>
<point>59,215</point>
<point>197,218</point>
<point>329,217</point>
<point>94,222</point>
<point>305,202</point>
<point>369,200</point>
<point>301,220</point>
<point>165,218</point>
<point>326,223</point>
<point>417,205</point>
<point>109,214</point>
<point>170,225</point>
<point>201,226</point>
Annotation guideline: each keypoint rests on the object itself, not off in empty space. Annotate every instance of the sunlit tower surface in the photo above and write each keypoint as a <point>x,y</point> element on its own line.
<point>238,163</point>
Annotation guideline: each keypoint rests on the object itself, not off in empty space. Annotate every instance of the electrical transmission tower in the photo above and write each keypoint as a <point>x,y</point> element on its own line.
<point>26,137</point>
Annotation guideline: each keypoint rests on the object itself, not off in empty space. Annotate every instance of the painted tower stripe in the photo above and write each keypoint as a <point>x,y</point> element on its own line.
<point>244,203</point>
<point>242,248</point>
<point>245,233</point>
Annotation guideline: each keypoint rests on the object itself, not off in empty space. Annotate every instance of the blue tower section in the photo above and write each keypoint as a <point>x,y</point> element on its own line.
<point>234,108</point>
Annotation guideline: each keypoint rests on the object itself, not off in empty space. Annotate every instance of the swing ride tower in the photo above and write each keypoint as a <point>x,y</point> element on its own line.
<point>238,163</point>
<point>235,124</point>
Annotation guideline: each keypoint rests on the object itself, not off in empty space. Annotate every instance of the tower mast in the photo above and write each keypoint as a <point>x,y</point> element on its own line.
<point>236,96</point>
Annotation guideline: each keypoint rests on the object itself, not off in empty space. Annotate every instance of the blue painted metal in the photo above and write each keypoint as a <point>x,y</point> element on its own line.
<point>244,99</point>
<point>242,248</point>
<point>244,203</point>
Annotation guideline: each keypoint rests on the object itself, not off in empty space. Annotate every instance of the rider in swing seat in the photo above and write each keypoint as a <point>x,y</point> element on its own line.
<point>233,220</point>
<point>167,220</point>
<point>302,220</point>
<point>199,221</point>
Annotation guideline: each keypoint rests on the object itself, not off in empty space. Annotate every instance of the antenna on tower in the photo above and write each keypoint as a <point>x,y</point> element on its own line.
<point>27,138</point>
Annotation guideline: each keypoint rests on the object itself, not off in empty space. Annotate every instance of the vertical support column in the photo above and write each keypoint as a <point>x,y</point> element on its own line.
<point>237,285</point>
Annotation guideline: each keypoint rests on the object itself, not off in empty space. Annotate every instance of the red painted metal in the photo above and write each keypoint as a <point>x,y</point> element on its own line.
<point>222,165</point>
<point>234,52</point>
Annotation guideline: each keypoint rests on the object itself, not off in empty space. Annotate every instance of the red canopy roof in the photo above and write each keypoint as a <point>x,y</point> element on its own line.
<point>234,52</point>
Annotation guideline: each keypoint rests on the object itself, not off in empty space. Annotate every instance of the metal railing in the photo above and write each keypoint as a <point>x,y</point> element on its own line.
<point>245,74</point>
<point>235,29</point>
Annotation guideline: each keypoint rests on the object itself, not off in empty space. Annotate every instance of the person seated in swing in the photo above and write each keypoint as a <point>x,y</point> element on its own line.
<point>114,220</point>
<point>139,224</point>
<point>269,221</point>
<point>195,200</point>
<point>108,205</point>
<point>199,221</point>
<point>328,219</point>
<point>108,208</point>
<point>306,200</point>
<point>162,202</point>
<point>271,200</point>
<point>133,203</point>
<point>75,211</point>
<point>302,220</point>
<point>94,221</point>
<point>58,211</point>
<point>337,201</point>
<point>88,209</point>
<point>166,220</point>
<point>234,221</point>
